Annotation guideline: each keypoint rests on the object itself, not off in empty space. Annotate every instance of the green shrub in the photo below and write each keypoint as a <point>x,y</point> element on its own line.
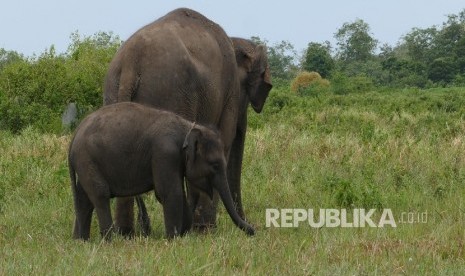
<point>35,91</point>
<point>341,84</point>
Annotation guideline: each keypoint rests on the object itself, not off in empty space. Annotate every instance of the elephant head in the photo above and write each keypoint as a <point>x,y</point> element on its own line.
<point>252,61</point>
<point>206,169</point>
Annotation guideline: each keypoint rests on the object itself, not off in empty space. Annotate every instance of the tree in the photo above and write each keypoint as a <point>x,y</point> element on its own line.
<point>318,59</point>
<point>419,44</point>
<point>281,58</point>
<point>442,70</point>
<point>449,36</point>
<point>399,70</point>
<point>7,57</point>
<point>459,52</point>
<point>355,42</point>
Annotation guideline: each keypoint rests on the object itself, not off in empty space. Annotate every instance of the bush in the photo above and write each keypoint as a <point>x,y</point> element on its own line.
<point>35,91</point>
<point>342,84</point>
<point>309,83</point>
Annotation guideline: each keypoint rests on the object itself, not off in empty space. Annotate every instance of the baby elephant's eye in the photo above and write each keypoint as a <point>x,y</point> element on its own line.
<point>216,165</point>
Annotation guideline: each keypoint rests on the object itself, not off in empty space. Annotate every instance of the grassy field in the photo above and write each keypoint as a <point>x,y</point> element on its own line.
<point>398,150</point>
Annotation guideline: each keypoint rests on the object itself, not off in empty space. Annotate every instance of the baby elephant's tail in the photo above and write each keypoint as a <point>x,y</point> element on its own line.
<point>72,175</point>
<point>72,171</point>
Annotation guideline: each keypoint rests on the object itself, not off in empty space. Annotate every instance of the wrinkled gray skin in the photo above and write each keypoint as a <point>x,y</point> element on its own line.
<point>128,149</point>
<point>185,63</point>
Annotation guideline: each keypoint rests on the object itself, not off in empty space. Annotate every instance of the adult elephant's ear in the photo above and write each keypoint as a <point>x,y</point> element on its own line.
<point>260,92</point>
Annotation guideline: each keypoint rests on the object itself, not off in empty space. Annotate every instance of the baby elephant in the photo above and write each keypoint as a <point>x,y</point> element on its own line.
<point>127,149</point>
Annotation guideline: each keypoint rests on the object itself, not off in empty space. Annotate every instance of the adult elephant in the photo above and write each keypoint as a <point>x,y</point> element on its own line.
<point>185,63</point>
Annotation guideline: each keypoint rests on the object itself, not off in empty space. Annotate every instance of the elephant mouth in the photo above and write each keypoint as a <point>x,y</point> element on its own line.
<point>255,107</point>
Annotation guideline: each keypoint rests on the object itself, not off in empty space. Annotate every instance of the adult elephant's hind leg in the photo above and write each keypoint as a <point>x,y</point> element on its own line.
<point>124,216</point>
<point>143,218</point>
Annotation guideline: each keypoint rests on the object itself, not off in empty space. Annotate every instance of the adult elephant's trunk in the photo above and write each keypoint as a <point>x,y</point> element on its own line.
<point>220,183</point>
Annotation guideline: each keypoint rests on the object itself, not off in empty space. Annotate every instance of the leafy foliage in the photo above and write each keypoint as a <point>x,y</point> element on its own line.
<point>355,42</point>
<point>429,57</point>
<point>442,70</point>
<point>318,58</point>
<point>281,58</point>
<point>7,57</point>
<point>35,91</point>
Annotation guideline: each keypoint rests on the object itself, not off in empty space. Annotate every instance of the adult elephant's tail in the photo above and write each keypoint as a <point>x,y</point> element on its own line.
<point>111,86</point>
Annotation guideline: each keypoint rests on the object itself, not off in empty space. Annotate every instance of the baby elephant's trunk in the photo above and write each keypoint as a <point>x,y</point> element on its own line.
<point>220,183</point>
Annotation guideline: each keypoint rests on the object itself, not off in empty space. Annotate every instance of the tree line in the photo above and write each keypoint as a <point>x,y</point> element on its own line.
<point>35,90</point>
<point>423,58</point>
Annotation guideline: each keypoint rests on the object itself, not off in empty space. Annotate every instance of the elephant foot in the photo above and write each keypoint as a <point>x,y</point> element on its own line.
<point>107,234</point>
<point>127,232</point>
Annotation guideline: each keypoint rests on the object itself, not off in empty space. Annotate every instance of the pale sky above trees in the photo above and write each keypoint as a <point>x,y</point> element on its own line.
<point>31,26</point>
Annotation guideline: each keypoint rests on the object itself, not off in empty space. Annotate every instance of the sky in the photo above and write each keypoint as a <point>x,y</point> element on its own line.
<point>32,26</point>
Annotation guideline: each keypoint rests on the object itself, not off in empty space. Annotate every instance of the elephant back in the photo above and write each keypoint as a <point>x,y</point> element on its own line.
<point>182,62</point>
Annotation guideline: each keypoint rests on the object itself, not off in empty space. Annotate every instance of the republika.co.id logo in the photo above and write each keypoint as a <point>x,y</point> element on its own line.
<point>353,218</point>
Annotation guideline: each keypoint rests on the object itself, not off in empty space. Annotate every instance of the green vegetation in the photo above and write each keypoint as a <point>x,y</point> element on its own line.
<point>35,91</point>
<point>383,128</point>
<point>401,149</point>
<point>424,58</point>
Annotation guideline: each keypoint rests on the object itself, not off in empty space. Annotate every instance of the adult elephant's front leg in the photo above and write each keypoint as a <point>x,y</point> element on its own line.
<point>235,170</point>
<point>124,217</point>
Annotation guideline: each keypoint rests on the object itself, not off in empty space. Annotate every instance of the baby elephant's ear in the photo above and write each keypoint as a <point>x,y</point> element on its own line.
<point>192,144</point>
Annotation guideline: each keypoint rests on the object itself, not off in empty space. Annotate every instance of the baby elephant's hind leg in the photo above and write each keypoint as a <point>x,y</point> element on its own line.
<point>104,217</point>
<point>83,209</point>
<point>100,197</point>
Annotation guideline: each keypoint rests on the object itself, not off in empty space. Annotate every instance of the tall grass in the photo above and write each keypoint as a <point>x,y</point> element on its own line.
<point>402,150</point>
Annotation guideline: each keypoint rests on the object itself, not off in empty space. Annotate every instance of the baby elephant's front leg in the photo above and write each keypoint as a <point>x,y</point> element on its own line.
<point>174,216</point>
<point>168,181</point>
